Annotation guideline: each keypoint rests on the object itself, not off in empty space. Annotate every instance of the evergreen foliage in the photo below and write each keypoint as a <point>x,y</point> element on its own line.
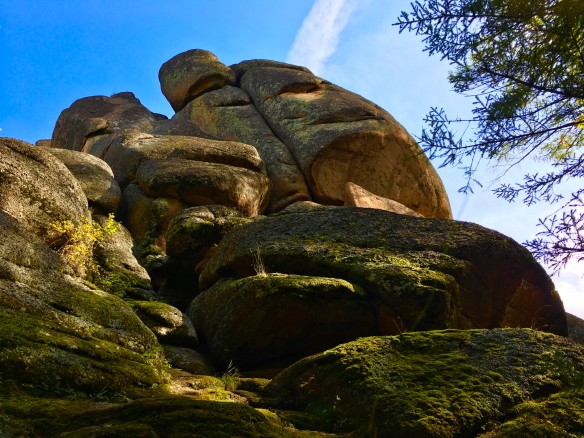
<point>522,61</point>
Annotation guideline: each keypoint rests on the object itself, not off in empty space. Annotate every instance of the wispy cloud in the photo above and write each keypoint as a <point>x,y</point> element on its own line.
<point>318,37</point>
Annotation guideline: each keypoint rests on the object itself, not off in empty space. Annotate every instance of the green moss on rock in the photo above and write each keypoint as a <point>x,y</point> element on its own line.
<point>169,416</point>
<point>271,320</point>
<point>437,383</point>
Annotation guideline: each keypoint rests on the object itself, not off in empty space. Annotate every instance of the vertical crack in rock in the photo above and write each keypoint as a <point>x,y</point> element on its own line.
<point>338,137</point>
<point>203,93</point>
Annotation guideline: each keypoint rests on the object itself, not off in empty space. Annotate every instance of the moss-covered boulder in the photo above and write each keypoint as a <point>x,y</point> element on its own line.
<point>442,384</point>
<point>57,333</point>
<point>419,273</point>
<point>126,151</point>
<point>272,320</point>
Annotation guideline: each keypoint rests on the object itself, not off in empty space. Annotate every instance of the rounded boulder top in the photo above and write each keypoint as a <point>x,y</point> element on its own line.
<point>190,74</point>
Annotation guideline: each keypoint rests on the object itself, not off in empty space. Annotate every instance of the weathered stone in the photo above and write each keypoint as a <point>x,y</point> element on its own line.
<point>37,189</point>
<point>120,273</point>
<point>147,219</point>
<point>193,231</point>
<point>357,196</point>
<point>229,114</point>
<point>191,74</point>
<point>442,384</point>
<point>274,319</point>
<point>199,183</point>
<point>125,153</point>
<point>337,136</point>
<point>188,360</point>
<point>91,117</point>
<point>57,333</point>
<point>168,323</point>
<point>424,273</point>
<point>95,177</point>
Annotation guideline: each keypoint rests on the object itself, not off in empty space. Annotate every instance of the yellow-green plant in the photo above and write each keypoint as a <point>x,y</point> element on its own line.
<point>75,242</point>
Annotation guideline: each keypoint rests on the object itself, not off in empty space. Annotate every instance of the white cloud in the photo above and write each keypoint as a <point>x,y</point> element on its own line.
<point>318,37</point>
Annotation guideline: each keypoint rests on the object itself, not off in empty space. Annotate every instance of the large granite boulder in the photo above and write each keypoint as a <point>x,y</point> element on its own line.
<point>37,189</point>
<point>95,177</point>
<point>229,114</point>
<point>90,118</point>
<point>337,136</point>
<point>416,274</point>
<point>190,74</point>
<point>501,382</point>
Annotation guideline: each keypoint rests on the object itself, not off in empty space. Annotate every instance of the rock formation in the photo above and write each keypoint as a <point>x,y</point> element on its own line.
<point>276,227</point>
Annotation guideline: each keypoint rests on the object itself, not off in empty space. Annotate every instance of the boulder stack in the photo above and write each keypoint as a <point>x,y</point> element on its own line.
<point>276,226</point>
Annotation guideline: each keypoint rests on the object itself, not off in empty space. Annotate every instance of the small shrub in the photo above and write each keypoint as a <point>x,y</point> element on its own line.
<point>230,377</point>
<point>258,264</point>
<point>75,243</point>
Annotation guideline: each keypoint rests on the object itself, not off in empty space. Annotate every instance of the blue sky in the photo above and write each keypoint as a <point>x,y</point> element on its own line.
<point>54,52</point>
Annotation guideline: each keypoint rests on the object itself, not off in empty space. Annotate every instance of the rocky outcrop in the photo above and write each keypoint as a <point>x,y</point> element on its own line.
<point>235,263</point>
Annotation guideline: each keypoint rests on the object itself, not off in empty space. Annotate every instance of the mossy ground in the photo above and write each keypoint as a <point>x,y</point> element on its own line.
<point>211,412</point>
